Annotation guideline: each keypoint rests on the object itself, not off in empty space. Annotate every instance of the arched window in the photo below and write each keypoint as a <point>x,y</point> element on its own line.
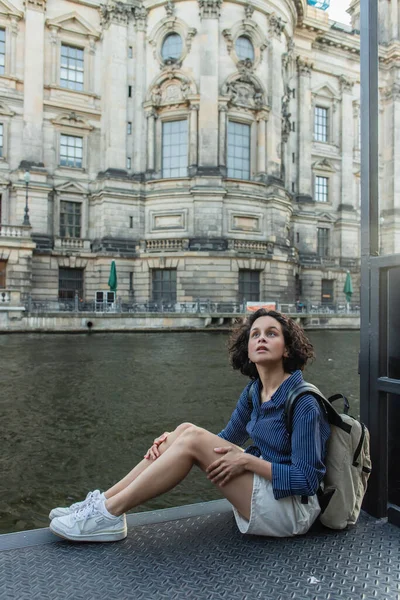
<point>244,48</point>
<point>172,47</point>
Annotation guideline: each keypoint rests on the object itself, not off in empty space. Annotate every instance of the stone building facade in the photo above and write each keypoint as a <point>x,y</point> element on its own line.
<point>210,147</point>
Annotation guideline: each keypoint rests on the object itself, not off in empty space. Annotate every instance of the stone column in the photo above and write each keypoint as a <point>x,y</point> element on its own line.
<point>304,128</point>
<point>115,17</point>
<point>222,135</point>
<point>13,48</point>
<point>275,93</point>
<point>347,142</point>
<point>33,80</point>
<point>91,66</point>
<point>194,111</point>
<point>209,92</point>
<point>261,144</point>
<point>151,117</point>
<point>54,55</point>
<point>139,155</point>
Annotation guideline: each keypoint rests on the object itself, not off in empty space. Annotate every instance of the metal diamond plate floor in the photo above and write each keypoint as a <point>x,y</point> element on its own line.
<point>205,557</point>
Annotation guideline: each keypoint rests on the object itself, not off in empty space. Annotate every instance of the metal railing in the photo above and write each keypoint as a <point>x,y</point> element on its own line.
<point>200,306</point>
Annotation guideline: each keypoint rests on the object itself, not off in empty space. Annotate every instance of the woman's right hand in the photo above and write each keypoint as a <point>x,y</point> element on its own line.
<point>153,453</point>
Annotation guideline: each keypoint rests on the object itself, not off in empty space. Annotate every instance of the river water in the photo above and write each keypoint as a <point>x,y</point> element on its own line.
<point>78,411</point>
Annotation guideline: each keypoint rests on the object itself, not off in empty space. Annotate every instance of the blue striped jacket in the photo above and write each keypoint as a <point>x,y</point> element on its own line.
<point>297,462</point>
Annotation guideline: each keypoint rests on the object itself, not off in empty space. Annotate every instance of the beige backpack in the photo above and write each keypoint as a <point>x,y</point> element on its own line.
<point>348,462</point>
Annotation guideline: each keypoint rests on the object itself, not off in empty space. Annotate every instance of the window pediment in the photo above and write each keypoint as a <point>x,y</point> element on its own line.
<point>75,24</point>
<point>72,120</point>
<point>5,110</point>
<point>71,187</point>
<point>244,90</point>
<point>324,165</point>
<point>326,91</point>
<point>171,88</point>
<point>325,218</point>
<point>9,10</point>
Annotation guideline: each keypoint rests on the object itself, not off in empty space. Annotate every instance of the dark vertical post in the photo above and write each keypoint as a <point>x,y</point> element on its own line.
<point>370,409</point>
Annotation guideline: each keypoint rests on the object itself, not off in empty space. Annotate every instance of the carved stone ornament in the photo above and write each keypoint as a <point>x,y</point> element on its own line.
<point>304,65</point>
<point>276,25</point>
<point>346,84</point>
<point>115,12</point>
<point>36,4</point>
<point>244,92</point>
<point>392,92</point>
<point>286,123</point>
<point>170,8</point>
<point>140,15</point>
<point>248,11</point>
<point>172,89</point>
<point>210,9</point>
<point>229,39</point>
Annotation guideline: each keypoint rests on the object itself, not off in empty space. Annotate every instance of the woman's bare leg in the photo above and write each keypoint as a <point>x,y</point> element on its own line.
<point>145,463</point>
<point>193,446</point>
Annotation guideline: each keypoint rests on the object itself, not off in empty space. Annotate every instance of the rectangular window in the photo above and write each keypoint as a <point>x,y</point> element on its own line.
<point>129,128</point>
<point>71,151</point>
<point>321,124</point>
<point>131,222</point>
<point>70,219</point>
<point>327,291</point>
<point>71,72</point>
<point>2,51</point>
<point>128,162</point>
<point>131,281</point>
<point>3,264</point>
<point>1,139</point>
<point>163,285</point>
<point>238,150</point>
<point>175,148</point>
<point>323,242</point>
<point>249,285</point>
<point>321,189</point>
<point>130,52</point>
<point>70,282</point>
<point>129,91</point>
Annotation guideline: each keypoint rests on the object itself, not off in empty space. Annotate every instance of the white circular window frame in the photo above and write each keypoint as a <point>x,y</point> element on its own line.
<point>165,27</point>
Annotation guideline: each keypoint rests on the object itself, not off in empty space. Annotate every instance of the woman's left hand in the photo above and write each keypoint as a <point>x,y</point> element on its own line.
<point>229,466</point>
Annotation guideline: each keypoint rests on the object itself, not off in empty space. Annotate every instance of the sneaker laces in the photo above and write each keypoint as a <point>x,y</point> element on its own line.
<point>85,512</point>
<point>89,498</point>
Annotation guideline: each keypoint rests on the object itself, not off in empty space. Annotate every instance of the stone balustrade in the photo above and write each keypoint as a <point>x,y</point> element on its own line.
<point>164,245</point>
<point>72,244</point>
<point>14,231</point>
<point>253,246</point>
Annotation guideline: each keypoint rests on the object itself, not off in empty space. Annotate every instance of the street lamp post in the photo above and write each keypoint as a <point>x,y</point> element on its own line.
<point>27,178</point>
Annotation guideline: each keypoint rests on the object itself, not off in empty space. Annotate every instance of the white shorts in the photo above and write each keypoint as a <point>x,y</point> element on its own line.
<point>277,518</point>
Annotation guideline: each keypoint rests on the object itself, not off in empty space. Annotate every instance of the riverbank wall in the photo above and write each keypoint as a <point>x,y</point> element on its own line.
<point>16,320</point>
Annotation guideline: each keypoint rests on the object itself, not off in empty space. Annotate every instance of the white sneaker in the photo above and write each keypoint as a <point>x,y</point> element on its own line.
<point>90,524</point>
<point>67,510</point>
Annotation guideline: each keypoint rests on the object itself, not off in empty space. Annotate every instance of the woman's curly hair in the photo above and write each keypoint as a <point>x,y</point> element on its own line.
<point>300,349</point>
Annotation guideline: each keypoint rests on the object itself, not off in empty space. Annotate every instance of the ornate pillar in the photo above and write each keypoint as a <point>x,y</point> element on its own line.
<point>91,66</point>
<point>275,93</point>
<point>347,142</point>
<point>151,119</point>
<point>139,155</point>
<point>209,87</point>
<point>222,135</point>
<point>54,55</point>
<point>34,80</point>
<point>194,110</point>
<point>261,144</point>
<point>13,48</point>
<point>115,17</point>
<point>304,127</point>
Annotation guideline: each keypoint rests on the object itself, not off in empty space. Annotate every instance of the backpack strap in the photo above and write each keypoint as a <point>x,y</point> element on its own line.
<point>250,395</point>
<point>304,389</point>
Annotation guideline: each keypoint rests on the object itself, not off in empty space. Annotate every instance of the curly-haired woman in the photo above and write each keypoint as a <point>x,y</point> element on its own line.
<point>265,483</point>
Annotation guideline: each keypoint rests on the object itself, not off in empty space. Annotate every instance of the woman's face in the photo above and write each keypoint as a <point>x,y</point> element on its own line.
<point>266,342</point>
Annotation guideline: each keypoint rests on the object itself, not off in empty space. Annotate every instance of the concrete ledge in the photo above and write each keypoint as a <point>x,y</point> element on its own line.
<point>37,537</point>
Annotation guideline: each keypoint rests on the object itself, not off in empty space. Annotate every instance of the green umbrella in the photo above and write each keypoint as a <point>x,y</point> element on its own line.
<point>348,287</point>
<point>112,280</point>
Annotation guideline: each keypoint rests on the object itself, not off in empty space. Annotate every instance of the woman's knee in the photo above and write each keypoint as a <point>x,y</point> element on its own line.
<point>192,434</point>
<point>182,428</point>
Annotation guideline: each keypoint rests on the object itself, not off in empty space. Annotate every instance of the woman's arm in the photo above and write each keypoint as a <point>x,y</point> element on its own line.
<point>306,470</point>
<point>235,430</point>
